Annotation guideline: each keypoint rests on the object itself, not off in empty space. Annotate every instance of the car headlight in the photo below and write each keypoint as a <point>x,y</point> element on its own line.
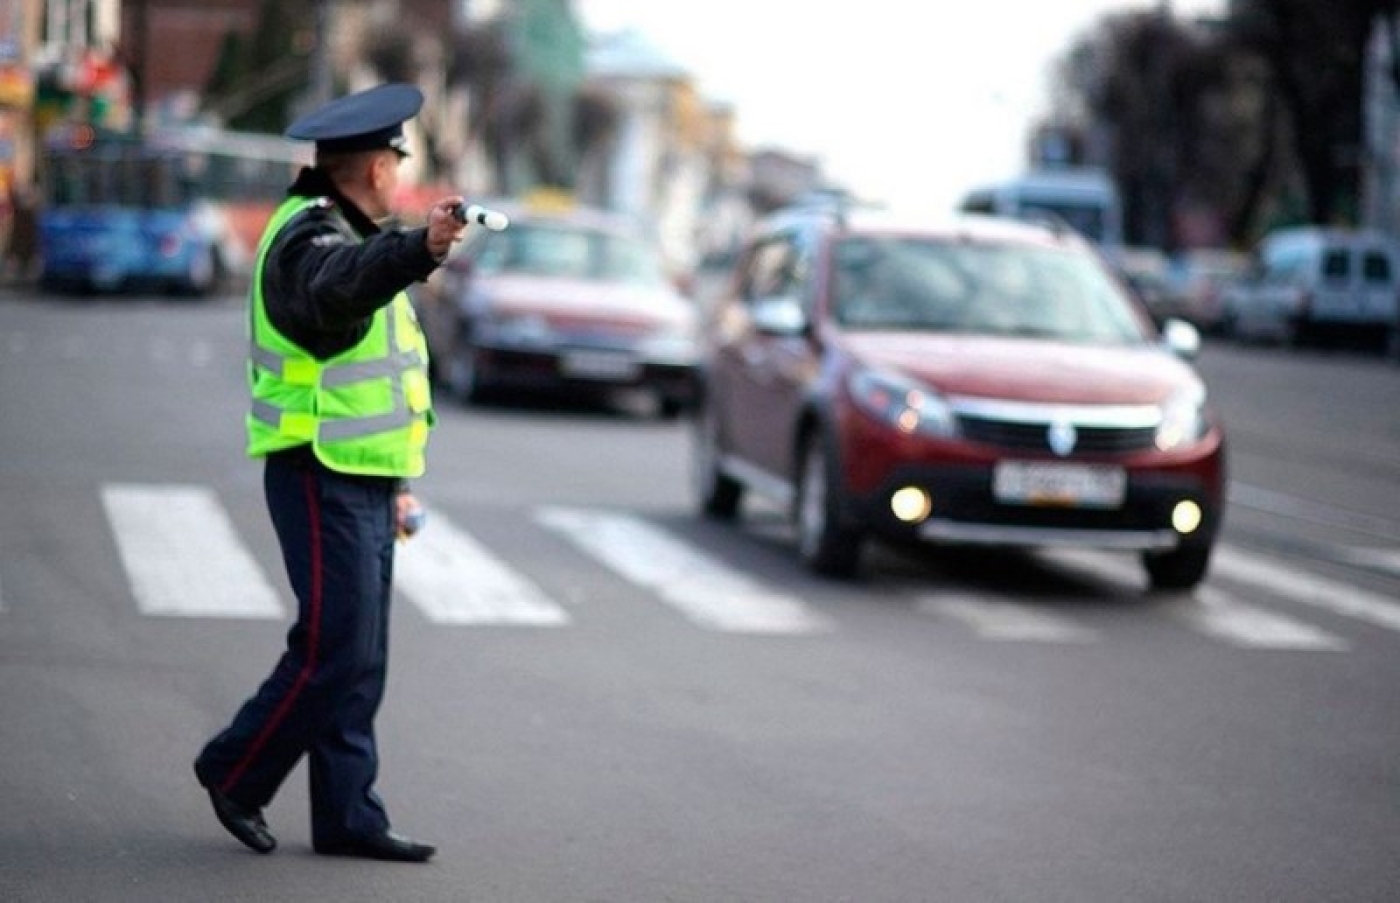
<point>902,403</point>
<point>525,330</point>
<point>1183,420</point>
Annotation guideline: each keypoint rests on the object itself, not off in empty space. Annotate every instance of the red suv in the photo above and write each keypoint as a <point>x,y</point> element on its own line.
<point>976,381</point>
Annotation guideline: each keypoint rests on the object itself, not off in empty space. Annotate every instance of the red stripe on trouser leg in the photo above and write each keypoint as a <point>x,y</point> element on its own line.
<point>313,637</point>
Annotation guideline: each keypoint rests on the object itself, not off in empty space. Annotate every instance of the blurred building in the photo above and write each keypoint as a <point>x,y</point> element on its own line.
<point>663,152</point>
<point>19,31</point>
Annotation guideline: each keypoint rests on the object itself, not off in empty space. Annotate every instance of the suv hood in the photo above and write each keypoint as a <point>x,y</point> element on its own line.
<point>1031,370</point>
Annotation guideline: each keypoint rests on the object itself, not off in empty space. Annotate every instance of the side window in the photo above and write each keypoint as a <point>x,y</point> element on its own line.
<point>1375,268</point>
<point>1336,265</point>
<point>775,267</point>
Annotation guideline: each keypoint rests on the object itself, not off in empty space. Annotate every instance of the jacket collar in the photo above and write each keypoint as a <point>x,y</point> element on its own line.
<point>313,183</point>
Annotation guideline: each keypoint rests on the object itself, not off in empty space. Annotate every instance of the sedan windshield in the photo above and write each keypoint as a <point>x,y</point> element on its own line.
<point>570,253</point>
<point>988,289</point>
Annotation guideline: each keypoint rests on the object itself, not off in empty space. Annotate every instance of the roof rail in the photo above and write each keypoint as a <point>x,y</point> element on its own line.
<point>838,202</point>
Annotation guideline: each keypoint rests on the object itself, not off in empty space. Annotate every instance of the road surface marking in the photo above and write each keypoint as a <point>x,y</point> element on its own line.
<point>1307,588</point>
<point>703,588</point>
<point>1387,560</point>
<point>182,556</point>
<point>1224,617</point>
<point>1216,613</point>
<point>453,579</point>
<point>1006,621</point>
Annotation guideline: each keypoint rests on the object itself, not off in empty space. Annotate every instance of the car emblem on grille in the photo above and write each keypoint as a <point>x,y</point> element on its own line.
<point>1062,437</point>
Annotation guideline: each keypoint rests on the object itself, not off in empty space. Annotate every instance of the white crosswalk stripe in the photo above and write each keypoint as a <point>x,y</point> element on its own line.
<point>704,589</point>
<point>1216,613</point>
<point>453,579</point>
<point>182,556</point>
<point>1308,588</point>
<point>1222,616</point>
<point>1006,621</point>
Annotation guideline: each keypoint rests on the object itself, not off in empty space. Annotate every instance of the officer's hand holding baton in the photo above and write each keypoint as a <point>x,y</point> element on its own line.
<point>448,219</point>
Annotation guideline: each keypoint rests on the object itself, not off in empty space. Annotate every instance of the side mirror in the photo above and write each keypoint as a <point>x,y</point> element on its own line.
<point>1181,338</point>
<point>780,315</point>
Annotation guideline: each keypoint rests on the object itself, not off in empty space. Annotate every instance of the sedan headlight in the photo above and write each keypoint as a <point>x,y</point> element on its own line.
<point>902,403</point>
<point>1183,420</point>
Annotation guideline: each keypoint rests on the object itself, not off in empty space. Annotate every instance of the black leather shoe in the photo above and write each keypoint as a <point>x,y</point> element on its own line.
<point>244,823</point>
<point>388,846</point>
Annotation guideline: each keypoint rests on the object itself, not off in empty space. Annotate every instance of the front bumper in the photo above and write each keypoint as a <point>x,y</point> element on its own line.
<point>965,511</point>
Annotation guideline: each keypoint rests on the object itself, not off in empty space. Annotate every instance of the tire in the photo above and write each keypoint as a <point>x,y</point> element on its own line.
<point>824,543</point>
<point>717,494</point>
<point>1179,569</point>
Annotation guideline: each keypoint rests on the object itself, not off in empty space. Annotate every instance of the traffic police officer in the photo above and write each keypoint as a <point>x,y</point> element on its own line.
<point>340,415</point>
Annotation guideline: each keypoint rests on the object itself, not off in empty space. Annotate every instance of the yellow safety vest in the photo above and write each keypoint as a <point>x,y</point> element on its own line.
<point>367,410</point>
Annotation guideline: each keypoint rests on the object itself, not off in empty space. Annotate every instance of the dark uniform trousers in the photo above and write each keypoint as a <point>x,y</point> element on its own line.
<point>337,535</point>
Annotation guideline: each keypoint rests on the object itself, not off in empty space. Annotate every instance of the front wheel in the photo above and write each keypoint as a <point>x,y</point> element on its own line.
<point>1178,569</point>
<point>823,543</point>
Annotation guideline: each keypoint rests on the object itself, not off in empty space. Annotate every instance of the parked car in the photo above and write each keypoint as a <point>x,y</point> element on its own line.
<point>567,299</point>
<point>1196,281</point>
<point>976,381</point>
<point>1310,283</point>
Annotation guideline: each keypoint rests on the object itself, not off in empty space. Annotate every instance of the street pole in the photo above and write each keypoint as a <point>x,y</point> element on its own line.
<point>321,57</point>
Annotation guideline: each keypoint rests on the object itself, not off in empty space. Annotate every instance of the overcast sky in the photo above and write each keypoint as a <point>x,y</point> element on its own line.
<point>908,103</point>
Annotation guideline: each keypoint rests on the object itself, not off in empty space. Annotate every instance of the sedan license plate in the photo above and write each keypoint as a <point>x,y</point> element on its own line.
<point>1048,483</point>
<point>603,365</point>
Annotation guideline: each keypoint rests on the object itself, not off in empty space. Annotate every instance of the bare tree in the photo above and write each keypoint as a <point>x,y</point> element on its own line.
<point>1316,54</point>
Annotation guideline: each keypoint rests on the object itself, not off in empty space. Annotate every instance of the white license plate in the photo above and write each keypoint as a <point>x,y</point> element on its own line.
<point>1052,484</point>
<point>606,365</point>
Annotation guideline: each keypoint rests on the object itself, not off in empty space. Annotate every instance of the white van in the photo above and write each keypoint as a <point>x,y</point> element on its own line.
<point>1310,283</point>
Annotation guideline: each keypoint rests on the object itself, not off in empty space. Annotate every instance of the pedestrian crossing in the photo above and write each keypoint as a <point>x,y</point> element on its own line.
<point>701,587</point>
<point>456,580</point>
<point>183,557</point>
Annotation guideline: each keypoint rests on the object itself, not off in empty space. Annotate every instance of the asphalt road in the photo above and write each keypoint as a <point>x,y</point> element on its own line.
<point>597,696</point>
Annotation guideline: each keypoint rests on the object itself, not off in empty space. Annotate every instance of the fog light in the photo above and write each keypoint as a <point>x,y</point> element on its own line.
<point>1186,517</point>
<point>911,504</point>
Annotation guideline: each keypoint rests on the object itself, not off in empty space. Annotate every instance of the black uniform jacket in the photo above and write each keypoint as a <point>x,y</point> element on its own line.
<point>330,268</point>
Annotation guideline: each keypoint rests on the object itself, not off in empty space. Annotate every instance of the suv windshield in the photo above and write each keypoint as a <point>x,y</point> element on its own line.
<point>991,289</point>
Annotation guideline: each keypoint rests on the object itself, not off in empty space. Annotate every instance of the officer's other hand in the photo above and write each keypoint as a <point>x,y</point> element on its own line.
<point>407,515</point>
<point>443,227</point>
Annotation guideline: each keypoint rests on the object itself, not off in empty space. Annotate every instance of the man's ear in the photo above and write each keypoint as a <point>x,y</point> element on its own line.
<point>377,175</point>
